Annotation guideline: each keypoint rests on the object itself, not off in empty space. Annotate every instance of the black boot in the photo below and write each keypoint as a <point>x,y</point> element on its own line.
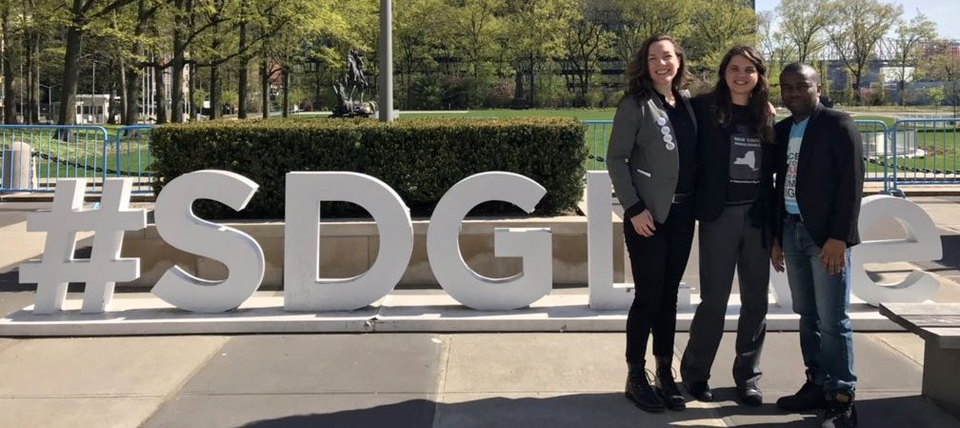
<point>639,390</point>
<point>666,387</point>
<point>809,397</point>
<point>840,412</point>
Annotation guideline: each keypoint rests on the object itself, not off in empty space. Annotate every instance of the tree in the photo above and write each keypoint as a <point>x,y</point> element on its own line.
<point>719,25</point>
<point>83,14</point>
<point>478,25</point>
<point>942,62</point>
<point>633,21</point>
<point>420,36</point>
<point>803,23</point>
<point>906,47</point>
<point>7,14</point>
<point>856,29</point>
<point>584,42</point>
<point>535,27</point>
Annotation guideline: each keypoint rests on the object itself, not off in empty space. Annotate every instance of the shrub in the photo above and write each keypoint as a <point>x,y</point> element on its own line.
<point>420,159</point>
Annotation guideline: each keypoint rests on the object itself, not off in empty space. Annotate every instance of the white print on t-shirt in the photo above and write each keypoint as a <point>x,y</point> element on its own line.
<point>744,162</point>
<point>749,159</point>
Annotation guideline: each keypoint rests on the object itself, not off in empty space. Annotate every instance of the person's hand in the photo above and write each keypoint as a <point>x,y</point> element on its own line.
<point>643,224</point>
<point>776,256</point>
<point>773,110</point>
<point>833,256</point>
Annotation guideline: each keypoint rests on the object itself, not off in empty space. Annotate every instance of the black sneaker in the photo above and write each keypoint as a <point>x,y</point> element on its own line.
<point>639,390</point>
<point>809,397</point>
<point>840,412</point>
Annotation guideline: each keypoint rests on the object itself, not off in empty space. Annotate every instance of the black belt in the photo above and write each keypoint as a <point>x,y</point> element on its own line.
<point>679,198</point>
<point>798,218</point>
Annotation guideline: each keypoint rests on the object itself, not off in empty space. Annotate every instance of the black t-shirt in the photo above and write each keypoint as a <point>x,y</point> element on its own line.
<point>745,158</point>
<point>686,142</point>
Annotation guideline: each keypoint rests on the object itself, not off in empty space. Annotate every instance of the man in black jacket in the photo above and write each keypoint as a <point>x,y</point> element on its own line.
<point>819,186</point>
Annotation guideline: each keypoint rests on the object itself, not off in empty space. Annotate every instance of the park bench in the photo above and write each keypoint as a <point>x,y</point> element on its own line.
<point>939,326</point>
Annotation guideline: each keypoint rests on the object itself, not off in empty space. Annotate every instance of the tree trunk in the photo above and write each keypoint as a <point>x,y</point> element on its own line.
<point>176,70</point>
<point>111,105</point>
<point>71,71</point>
<point>316,94</point>
<point>264,89</point>
<point>132,95</point>
<point>132,92</point>
<point>9,103</point>
<point>518,85</point>
<point>192,85</point>
<point>856,89</point>
<point>33,78</point>
<point>215,92</point>
<point>242,78</point>
<point>533,83</point>
<point>286,91</point>
<point>901,85</point>
<point>160,86</point>
<point>123,92</point>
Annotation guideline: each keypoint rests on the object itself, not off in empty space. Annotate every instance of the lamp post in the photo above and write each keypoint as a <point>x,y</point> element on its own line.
<point>386,61</point>
<point>49,98</point>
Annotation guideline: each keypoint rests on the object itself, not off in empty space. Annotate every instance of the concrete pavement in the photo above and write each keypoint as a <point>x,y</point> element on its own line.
<point>408,380</point>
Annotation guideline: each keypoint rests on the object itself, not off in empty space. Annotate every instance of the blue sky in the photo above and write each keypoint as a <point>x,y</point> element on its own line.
<point>942,12</point>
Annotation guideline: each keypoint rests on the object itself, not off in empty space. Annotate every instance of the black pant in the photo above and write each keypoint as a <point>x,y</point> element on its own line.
<point>658,263</point>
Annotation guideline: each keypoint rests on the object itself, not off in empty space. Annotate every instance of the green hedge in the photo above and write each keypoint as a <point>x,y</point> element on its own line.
<point>419,159</point>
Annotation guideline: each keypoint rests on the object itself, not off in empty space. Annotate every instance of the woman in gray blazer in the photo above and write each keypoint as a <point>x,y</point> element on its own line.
<point>651,159</point>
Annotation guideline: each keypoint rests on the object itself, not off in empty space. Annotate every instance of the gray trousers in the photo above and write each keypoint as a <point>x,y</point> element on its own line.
<point>727,243</point>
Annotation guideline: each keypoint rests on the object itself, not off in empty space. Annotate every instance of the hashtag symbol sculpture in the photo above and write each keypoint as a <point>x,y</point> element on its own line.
<point>104,268</point>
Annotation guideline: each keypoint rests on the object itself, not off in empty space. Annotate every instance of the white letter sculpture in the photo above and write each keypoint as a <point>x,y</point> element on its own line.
<point>604,294</point>
<point>105,267</point>
<point>922,243</point>
<point>303,290</point>
<point>179,227</point>
<point>533,245</point>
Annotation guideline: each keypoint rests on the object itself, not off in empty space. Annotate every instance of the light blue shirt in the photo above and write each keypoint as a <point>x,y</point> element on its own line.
<point>793,156</point>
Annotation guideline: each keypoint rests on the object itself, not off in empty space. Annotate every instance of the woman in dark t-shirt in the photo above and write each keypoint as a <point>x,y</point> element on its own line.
<point>734,193</point>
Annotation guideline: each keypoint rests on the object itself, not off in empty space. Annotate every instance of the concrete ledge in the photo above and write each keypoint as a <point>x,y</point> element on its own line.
<point>349,248</point>
<point>401,311</point>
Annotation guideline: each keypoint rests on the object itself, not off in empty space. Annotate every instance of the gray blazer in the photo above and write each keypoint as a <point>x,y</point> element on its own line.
<point>642,164</point>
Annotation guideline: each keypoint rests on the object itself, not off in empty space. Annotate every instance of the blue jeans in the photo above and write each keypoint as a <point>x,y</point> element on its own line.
<point>822,301</point>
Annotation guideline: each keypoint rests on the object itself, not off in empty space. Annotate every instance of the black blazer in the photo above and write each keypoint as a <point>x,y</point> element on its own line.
<point>829,176</point>
<point>713,171</point>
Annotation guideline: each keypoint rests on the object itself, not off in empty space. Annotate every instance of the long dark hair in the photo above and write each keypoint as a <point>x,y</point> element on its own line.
<point>638,71</point>
<point>761,119</point>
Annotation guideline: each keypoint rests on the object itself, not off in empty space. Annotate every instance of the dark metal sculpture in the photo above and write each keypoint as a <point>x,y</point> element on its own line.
<point>346,86</point>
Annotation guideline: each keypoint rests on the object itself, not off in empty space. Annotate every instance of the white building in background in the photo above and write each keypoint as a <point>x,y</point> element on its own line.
<point>90,109</point>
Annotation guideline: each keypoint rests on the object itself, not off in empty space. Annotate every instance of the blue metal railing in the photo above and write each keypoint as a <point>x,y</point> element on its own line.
<point>876,150</point>
<point>926,151</point>
<point>35,157</point>
<point>131,149</point>
<point>598,135</point>
<point>911,152</point>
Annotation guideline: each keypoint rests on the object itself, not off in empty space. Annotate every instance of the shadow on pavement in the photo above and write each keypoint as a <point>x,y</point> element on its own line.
<point>607,410</point>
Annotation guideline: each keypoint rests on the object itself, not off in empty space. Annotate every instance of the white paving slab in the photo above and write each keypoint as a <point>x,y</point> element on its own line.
<point>112,412</point>
<point>102,367</point>
<point>401,311</point>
